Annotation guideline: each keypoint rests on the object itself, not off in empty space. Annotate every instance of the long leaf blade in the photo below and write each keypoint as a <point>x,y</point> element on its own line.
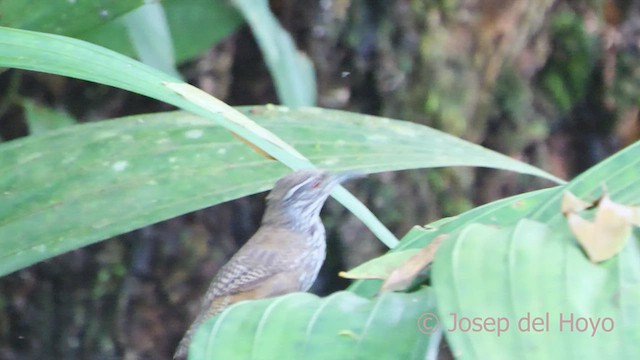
<point>126,173</point>
<point>75,58</point>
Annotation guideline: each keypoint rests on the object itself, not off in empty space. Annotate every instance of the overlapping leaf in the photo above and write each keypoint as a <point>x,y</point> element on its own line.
<point>65,56</point>
<point>71,187</point>
<point>70,17</point>
<point>535,268</point>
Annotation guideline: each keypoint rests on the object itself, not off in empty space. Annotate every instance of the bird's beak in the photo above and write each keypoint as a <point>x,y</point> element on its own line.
<point>344,176</point>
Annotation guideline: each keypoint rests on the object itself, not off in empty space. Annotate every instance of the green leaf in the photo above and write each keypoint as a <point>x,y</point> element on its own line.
<point>70,57</point>
<point>498,213</point>
<point>42,119</point>
<point>498,265</point>
<point>303,326</point>
<point>70,17</point>
<point>380,267</point>
<point>531,270</point>
<point>149,32</point>
<point>195,26</point>
<point>618,175</point>
<point>123,174</point>
<point>535,267</point>
<point>292,71</point>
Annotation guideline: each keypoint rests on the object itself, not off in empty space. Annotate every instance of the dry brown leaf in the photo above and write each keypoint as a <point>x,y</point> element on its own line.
<point>380,267</point>
<point>573,204</point>
<point>603,238</point>
<point>403,276</point>
<point>253,146</point>
<point>213,105</point>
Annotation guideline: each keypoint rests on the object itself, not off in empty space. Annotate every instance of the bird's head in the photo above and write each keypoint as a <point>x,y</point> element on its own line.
<point>299,196</point>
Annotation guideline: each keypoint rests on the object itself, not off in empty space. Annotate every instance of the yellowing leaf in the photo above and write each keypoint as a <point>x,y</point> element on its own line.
<point>403,276</point>
<point>573,204</point>
<point>253,146</point>
<point>380,267</point>
<point>214,105</point>
<point>603,238</point>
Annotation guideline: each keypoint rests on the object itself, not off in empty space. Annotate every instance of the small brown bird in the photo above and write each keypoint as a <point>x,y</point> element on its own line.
<point>283,256</point>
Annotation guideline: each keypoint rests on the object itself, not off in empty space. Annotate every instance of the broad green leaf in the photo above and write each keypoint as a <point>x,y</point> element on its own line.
<point>499,266</point>
<point>65,56</point>
<point>67,17</point>
<point>382,144</point>
<point>303,326</point>
<point>498,213</point>
<point>535,266</point>
<point>617,174</point>
<point>292,71</point>
<point>123,174</point>
<point>554,301</point>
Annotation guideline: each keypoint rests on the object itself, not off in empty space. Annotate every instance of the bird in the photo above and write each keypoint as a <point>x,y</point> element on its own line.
<point>283,256</point>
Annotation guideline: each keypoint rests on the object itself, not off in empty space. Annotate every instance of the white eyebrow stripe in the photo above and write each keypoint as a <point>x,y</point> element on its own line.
<point>295,188</point>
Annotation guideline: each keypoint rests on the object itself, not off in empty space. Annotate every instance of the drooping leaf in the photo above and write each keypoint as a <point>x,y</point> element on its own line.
<point>397,268</point>
<point>65,56</point>
<point>618,174</point>
<point>204,100</point>
<point>180,163</point>
<point>403,276</point>
<point>498,213</point>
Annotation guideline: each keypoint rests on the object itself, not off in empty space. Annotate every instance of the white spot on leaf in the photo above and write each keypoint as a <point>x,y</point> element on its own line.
<point>329,161</point>
<point>194,134</point>
<point>119,165</point>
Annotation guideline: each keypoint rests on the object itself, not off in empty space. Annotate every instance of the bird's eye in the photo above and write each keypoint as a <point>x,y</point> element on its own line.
<point>316,184</point>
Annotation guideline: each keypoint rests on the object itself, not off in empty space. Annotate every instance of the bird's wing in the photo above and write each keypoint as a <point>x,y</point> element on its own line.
<point>264,256</point>
<point>267,265</point>
<point>246,285</point>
